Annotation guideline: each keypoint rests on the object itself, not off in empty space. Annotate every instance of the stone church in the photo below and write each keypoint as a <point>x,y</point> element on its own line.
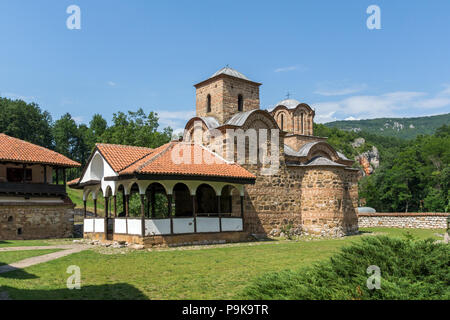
<point>237,171</point>
<point>315,189</point>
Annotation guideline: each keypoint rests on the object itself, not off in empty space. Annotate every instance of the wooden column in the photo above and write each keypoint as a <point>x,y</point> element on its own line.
<point>95,207</point>
<point>242,211</point>
<point>115,205</point>
<point>24,173</point>
<point>127,204</point>
<point>64,177</point>
<point>84,204</point>
<point>220,213</point>
<point>194,213</point>
<point>152,191</point>
<point>45,174</point>
<point>123,201</point>
<point>169,198</point>
<point>143,215</point>
<point>106,217</point>
<point>106,206</point>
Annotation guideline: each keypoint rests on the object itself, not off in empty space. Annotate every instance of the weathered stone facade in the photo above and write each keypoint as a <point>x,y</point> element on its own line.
<point>404,220</point>
<point>308,197</point>
<point>24,221</point>
<point>224,92</point>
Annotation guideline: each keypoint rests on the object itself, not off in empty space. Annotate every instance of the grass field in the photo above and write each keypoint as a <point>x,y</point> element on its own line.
<point>14,256</point>
<point>220,272</point>
<point>77,198</point>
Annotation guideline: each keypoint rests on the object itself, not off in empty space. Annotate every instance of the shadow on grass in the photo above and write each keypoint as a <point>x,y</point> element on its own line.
<point>17,274</point>
<point>119,291</point>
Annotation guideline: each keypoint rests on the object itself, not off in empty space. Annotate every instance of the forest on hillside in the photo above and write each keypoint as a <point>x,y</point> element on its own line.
<point>414,175</point>
<point>402,128</point>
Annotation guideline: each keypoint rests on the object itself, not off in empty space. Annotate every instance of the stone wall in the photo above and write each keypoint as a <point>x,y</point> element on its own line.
<point>404,220</point>
<point>318,200</point>
<point>224,92</point>
<point>35,221</point>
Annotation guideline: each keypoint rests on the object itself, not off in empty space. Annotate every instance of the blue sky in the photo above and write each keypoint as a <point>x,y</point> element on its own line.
<point>142,53</point>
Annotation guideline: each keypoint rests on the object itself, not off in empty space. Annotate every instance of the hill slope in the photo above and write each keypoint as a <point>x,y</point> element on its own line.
<point>404,128</point>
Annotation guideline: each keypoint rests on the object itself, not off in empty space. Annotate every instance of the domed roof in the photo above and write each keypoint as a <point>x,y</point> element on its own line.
<point>231,72</point>
<point>288,103</point>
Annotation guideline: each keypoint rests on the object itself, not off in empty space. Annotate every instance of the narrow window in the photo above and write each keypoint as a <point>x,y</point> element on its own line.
<point>240,103</point>
<point>208,103</point>
<point>282,122</point>
<point>302,132</point>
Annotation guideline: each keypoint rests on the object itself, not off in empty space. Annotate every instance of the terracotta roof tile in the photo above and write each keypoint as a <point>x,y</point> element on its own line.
<point>200,162</point>
<point>16,150</point>
<point>121,156</point>
<point>74,181</point>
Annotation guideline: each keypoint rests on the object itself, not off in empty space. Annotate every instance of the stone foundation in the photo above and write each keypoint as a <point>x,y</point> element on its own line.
<point>404,220</point>
<point>175,240</point>
<point>25,221</point>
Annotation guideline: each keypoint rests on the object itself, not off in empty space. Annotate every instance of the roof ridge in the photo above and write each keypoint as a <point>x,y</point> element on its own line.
<point>159,154</point>
<point>149,160</point>
<point>130,164</point>
<point>121,145</point>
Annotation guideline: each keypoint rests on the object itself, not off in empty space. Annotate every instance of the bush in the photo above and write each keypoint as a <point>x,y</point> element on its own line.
<point>409,270</point>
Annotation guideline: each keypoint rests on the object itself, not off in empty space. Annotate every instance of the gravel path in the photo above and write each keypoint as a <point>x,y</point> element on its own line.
<point>68,249</point>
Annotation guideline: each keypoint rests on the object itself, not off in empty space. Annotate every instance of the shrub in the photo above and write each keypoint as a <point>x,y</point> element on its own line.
<point>409,270</point>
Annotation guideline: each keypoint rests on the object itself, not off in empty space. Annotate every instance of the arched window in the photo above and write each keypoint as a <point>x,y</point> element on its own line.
<point>282,122</point>
<point>208,103</point>
<point>240,103</point>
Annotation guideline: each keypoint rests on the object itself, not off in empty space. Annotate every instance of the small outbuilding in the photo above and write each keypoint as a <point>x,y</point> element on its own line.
<point>33,199</point>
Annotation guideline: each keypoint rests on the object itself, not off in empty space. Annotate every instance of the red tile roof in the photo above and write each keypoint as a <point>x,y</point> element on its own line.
<point>74,181</point>
<point>200,162</point>
<point>121,156</point>
<point>16,150</point>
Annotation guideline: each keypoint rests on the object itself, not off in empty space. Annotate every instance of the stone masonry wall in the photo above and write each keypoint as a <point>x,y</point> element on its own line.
<point>224,93</point>
<point>404,220</point>
<point>35,221</point>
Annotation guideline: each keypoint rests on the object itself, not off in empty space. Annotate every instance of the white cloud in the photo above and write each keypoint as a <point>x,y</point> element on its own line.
<point>111,83</point>
<point>175,119</point>
<point>323,118</point>
<point>290,68</point>
<point>325,90</point>
<point>15,96</point>
<point>391,104</point>
<point>78,119</point>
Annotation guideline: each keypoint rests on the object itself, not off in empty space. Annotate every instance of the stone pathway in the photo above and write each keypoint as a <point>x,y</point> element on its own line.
<point>67,249</point>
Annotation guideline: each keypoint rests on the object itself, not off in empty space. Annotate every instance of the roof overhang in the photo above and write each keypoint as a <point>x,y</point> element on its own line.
<point>182,177</point>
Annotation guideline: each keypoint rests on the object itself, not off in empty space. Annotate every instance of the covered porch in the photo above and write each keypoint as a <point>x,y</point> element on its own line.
<point>168,212</point>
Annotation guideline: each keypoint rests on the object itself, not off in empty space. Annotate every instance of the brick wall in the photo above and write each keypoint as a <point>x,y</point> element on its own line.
<point>36,221</point>
<point>404,220</point>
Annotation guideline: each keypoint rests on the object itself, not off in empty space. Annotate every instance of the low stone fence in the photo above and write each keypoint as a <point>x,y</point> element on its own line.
<point>403,220</point>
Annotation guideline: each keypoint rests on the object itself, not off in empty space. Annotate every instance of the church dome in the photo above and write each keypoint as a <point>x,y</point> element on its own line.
<point>288,103</point>
<point>231,72</point>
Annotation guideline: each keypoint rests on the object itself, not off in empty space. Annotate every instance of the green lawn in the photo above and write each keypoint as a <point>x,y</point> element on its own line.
<point>15,256</point>
<point>209,273</point>
<point>77,198</point>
